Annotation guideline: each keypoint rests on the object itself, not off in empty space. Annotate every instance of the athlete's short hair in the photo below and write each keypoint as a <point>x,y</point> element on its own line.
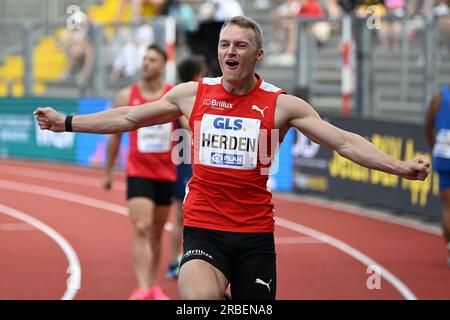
<point>158,49</point>
<point>247,23</point>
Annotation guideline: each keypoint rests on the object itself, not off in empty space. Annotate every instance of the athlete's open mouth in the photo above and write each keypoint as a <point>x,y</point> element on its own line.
<point>232,64</point>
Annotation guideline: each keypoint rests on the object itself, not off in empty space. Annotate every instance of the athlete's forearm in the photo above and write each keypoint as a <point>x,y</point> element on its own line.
<point>123,119</point>
<point>109,121</point>
<point>364,153</point>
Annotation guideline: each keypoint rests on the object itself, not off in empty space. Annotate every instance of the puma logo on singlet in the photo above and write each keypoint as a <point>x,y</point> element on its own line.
<point>254,107</point>
<point>259,281</point>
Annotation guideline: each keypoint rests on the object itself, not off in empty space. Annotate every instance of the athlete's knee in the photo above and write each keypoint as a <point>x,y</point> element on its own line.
<point>142,228</point>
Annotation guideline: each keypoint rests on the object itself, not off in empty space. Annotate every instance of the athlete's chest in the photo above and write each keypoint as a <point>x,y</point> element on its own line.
<point>255,106</point>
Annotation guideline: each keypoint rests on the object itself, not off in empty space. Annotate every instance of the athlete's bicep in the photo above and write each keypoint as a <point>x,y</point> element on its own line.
<point>300,115</point>
<point>152,113</point>
<point>176,102</point>
<point>183,95</point>
<point>320,131</point>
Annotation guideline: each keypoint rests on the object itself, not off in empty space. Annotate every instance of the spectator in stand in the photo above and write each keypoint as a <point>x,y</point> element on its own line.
<point>393,30</point>
<point>184,14</point>
<point>312,9</point>
<point>128,59</point>
<point>211,15</point>
<point>442,12</point>
<point>333,9</point>
<point>141,10</point>
<point>284,33</point>
<point>227,9</point>
<point>77,43</point>
<point>185,17</point>
<point>219,10</point>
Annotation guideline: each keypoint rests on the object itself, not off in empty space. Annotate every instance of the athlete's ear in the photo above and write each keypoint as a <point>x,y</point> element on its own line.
<point>259,54</point>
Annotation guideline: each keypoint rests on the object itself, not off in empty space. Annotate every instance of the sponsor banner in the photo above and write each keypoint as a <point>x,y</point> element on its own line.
<point>20,135</point>
<point>317,169</point>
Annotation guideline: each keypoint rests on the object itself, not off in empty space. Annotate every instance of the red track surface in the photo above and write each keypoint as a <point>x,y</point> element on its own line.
<point>33,266</point>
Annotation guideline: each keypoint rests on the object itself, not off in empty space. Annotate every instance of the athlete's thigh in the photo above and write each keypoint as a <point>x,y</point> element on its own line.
<point>204,269</point>
<point>200,280</point>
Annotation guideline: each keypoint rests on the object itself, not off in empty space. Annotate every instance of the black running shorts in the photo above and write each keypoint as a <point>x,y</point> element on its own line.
<point>159,191</point>
<point>246,259</point>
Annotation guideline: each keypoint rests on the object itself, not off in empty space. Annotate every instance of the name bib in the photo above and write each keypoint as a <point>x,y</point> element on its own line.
<point>229,142</point>
<point>441,147</point>
<point>154,138</point>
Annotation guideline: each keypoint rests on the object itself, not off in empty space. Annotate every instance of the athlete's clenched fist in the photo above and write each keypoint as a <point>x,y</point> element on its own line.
<point>49,119</point>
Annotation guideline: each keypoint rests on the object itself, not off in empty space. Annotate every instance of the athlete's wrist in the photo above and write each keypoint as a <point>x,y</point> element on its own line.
<point>399,167</point>
<point>68,123</point>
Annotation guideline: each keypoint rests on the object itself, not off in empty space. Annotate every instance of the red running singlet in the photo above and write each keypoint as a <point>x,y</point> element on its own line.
<point>149,154</point>
<point>228,190</point>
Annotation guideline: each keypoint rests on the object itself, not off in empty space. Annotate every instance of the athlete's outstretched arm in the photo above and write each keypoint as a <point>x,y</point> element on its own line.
<point>299,114</point>
<point>121,119</point>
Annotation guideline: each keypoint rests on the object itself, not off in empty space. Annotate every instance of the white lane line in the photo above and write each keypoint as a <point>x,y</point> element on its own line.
<point>358,255</point>
<point>54,193</point>
<point>16,227</point>
<point>360,211</point>
<point>58,194</point>
<point>297,240</point>
<point>74,279</point>
<point>68,196</point>
<point>59,177</point>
